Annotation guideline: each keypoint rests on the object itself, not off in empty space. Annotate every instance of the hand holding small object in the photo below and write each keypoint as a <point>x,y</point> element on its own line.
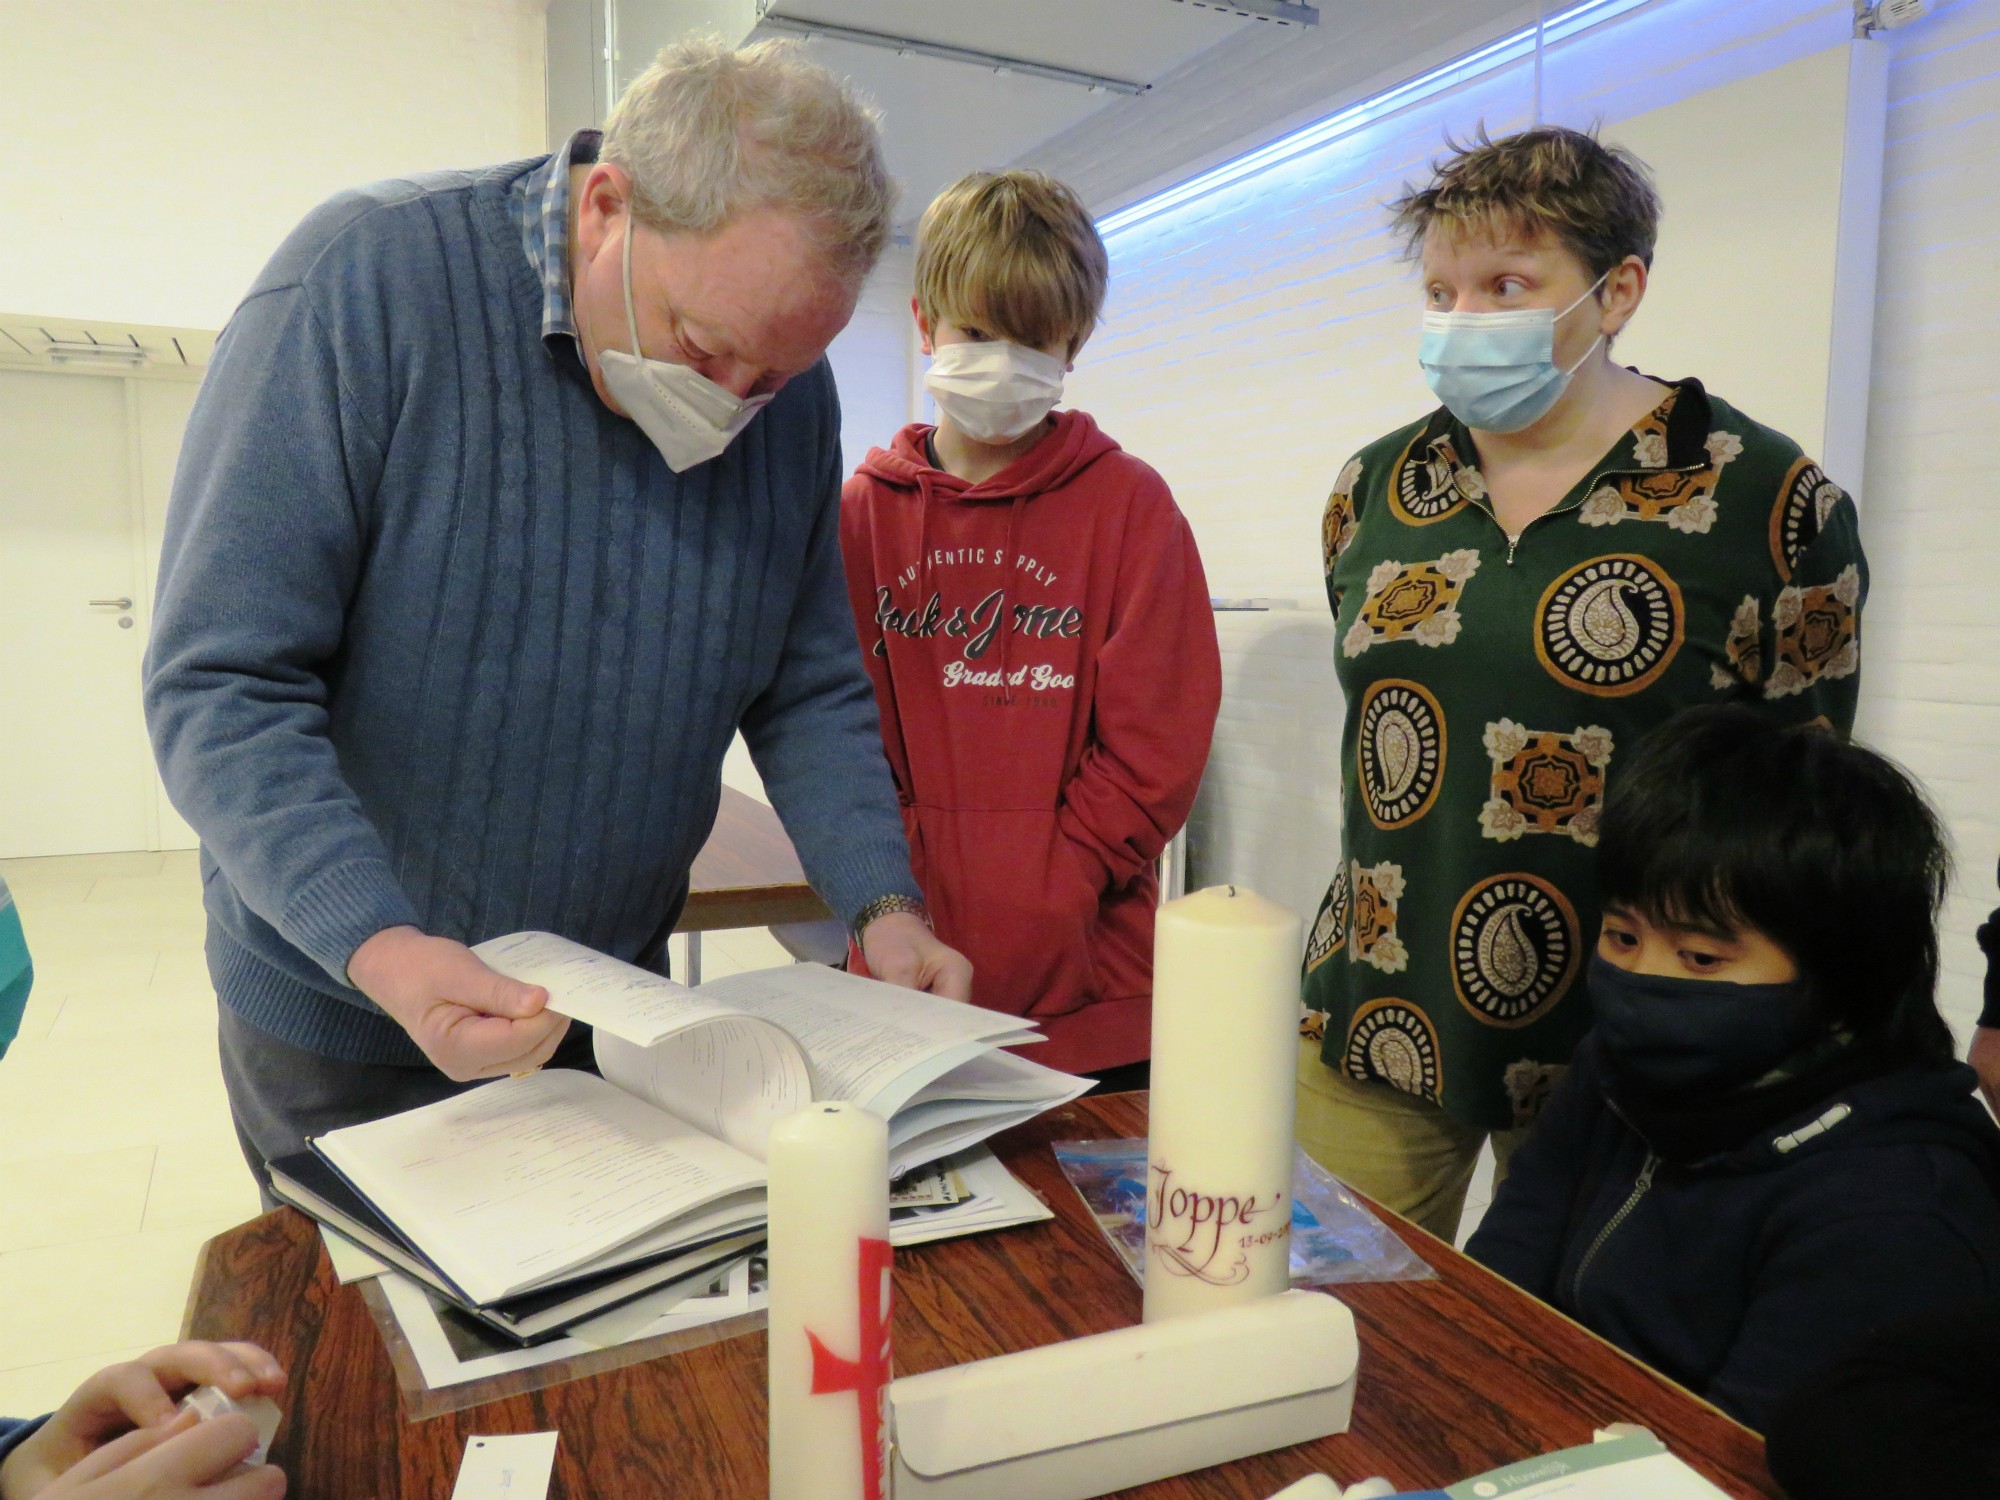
<point>120,1437</point>
<point>471,1021</point>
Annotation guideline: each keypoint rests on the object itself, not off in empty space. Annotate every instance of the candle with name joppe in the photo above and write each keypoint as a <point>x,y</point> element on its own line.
<point>1219,1153</point>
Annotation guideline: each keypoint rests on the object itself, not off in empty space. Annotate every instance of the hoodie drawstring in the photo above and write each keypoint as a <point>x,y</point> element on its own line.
<point>926,498</point>
<point>1007,571</point>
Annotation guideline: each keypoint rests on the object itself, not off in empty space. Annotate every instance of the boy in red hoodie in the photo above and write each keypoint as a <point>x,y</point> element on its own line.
<point>1034,616</point>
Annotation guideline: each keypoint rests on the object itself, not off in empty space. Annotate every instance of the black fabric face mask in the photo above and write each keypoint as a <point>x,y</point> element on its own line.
<point>1672,1036</point>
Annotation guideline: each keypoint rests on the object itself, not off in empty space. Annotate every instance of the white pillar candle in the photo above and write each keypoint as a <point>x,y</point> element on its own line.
<point>828,1167</point>
<point>1225,1049</point>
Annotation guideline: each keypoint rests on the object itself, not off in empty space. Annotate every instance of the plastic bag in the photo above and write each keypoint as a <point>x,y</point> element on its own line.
<point>1334,1238</point>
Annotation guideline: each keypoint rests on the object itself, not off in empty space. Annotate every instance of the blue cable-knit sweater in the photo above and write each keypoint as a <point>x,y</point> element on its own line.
<point>441,640</point>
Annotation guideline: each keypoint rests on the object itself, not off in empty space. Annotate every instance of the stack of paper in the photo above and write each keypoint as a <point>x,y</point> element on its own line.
<point>533,1203</point>
<point>965,1194</point>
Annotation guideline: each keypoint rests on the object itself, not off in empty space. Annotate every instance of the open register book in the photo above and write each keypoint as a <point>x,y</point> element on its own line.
<point>529,1183</point>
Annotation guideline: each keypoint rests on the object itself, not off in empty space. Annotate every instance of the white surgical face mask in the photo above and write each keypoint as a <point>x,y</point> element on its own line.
<point>1497,371</point>
<point>689,417</point>
<point>994,392</point>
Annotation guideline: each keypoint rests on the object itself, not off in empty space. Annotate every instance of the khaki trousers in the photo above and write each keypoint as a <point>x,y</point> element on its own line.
<point>1402,1151</point>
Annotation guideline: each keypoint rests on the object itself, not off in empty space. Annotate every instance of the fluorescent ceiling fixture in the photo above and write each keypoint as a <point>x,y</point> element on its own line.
<point>1495,54</point>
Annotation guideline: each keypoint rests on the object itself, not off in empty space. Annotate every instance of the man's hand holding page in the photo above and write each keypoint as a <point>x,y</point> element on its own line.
<point>470,1021</point>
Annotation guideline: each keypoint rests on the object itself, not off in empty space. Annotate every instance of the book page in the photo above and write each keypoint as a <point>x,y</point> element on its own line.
<point>515,1181</point>
<point>1001,1075</point>
<point>860,1035</point>
<point>603,992</point>
<point>729,1078</point>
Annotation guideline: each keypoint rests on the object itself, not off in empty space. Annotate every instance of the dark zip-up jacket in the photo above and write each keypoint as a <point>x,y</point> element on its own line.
<point>1989,944</point>
<point>1741,1273</point>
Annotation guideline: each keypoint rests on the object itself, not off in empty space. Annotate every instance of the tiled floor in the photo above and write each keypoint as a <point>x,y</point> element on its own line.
<point>117,1160</point>
<point>1478,1197</point>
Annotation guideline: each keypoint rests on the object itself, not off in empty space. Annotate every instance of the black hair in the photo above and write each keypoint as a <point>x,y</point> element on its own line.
<point>1725,821</point>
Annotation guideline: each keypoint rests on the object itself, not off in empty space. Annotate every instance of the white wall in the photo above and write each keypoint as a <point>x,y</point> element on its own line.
<point>1257,338</point>
<point>875,360</point>
<point>1931,522</point>
<point>880,373</point>
<point>160,149</point>
<point>1750,245</point>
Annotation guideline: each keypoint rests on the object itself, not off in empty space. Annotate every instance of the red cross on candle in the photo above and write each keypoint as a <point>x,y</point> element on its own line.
<point>867,1376</point>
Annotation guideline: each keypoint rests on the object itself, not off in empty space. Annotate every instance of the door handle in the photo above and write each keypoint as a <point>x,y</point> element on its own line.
<point>111,604</point>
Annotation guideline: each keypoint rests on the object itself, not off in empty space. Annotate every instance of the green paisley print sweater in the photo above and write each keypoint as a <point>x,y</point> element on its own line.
<point>1493,687</point>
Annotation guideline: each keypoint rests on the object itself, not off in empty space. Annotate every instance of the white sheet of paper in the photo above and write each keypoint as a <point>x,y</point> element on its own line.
<point>945,1127</point>
<point>511,1466</point>
<point>730,1078</point>
<point>350,1262</point>
<point>857,1048</point>
<point>599,990</point>
<point>1000,1201</point>
<point>639,1318</point>
<point>523,1178</point>
<point>440,1366</point>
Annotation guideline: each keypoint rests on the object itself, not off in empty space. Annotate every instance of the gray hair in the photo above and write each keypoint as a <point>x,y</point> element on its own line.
<point>706,133</point>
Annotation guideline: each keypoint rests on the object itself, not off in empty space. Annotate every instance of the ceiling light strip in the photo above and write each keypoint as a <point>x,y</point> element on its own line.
<point>1460,70</point>
<point>910,46</point>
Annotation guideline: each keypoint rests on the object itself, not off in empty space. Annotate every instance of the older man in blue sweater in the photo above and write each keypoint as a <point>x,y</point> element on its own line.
<point>510,496</point>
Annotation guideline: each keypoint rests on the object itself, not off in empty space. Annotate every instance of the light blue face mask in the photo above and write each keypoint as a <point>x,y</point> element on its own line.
<point>1497,371</point>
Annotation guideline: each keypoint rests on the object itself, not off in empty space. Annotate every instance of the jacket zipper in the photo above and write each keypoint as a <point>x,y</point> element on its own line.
<point>1640,1188</point>
<point>1514,538</point>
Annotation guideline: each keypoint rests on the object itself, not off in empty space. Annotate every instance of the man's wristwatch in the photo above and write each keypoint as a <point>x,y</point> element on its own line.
<point>883,906</point>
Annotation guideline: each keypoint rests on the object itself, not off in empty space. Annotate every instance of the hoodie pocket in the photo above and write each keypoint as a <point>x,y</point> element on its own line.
<point>1005,890</point>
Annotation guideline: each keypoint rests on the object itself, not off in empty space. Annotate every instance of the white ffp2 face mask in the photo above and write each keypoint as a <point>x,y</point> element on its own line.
<point>689,417</point>
<point>994,392</point>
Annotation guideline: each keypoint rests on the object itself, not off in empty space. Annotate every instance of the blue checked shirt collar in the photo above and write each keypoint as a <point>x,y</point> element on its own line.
<point>539,202</point>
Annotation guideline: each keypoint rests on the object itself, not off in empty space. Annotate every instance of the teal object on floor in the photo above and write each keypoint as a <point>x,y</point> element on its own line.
<point>17,970</point>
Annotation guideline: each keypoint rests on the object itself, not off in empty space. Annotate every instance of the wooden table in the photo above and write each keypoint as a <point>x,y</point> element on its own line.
<point>1458,1375</point>
<point>747,875</point>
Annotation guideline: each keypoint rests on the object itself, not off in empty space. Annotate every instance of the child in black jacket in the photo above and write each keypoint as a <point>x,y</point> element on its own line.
<point>1764,1148</point>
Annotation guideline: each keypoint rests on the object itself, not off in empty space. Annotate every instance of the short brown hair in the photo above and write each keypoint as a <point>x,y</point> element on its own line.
<point>1013,254</point>
<point>1597,201</point>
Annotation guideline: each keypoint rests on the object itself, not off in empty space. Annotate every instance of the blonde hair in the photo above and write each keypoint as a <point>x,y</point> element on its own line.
<point>1013,254</point>
<point>1597,201</point>
<point>706,133</point>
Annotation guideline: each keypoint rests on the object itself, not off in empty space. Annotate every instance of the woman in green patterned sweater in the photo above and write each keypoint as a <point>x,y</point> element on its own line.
<point>1526,583</point>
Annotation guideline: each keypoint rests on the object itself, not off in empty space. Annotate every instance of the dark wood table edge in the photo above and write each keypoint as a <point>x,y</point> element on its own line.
<point>1492,1294</point>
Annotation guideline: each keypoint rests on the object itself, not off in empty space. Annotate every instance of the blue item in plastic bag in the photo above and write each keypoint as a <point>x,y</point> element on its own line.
<point>1334,1238</point>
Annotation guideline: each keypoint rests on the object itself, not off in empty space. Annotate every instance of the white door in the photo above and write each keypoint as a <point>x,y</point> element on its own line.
<point>75,773</point>
<point>162,408</point>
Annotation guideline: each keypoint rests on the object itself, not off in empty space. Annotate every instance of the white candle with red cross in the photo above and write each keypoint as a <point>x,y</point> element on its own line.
<point>828,1168</point>
<point>1225,1053</point>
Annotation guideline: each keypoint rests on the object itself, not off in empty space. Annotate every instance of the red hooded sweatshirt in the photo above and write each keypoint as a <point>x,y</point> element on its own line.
<point>1045,662</point>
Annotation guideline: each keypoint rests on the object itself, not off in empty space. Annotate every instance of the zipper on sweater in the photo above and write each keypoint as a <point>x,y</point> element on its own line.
<point>1640,1188</point>
<point>1563,508</point>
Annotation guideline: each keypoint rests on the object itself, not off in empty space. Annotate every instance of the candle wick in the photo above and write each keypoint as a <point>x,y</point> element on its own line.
<point>1232,890</point>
